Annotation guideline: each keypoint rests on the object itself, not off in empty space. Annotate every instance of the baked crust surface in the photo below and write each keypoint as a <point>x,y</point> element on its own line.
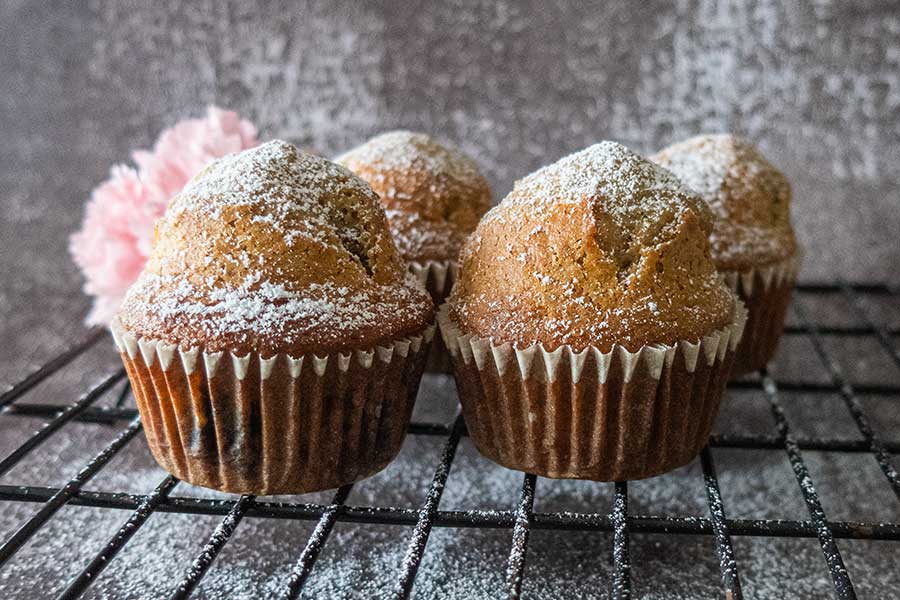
<point>275,251</point>
<point>432,192</point>
<point>602,247</point>
<point>749,197</point>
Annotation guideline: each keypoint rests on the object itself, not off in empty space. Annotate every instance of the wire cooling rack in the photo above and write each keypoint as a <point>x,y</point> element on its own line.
<point>520,520</point>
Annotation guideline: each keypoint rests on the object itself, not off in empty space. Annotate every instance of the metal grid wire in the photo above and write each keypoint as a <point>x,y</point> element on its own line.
<point>521,520</point>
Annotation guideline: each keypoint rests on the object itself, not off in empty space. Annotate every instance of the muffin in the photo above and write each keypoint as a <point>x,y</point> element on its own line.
<point>274,340</point>
<point>752,240</point>
<point>590,334</point>
<point>433,196</point>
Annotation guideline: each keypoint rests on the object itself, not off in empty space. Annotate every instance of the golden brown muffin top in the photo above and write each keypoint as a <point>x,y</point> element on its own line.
<point>275,251</point>
<point>433,194</point>
<point>749,197</point>
<point>600,248</point>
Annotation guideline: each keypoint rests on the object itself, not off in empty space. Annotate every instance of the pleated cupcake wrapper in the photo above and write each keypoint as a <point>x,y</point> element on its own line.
<point>765,278</point>
<point>277,425</point>
<point>596,415</point>
<point>766,291</point>
<point>438,278</point>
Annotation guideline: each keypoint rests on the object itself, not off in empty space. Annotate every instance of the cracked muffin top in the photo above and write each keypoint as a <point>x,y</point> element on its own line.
<point>433,194</point>
<point>600,248</point>
<point>749,197</point>
<point>275,251</point>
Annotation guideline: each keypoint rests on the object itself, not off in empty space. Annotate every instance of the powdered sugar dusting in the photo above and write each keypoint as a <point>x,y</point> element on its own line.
<point>602,247</point>
<point>419,240</point>
<point>405,150</point>
<point>328,278</point>
<point>271,308</point>
<point>275,176</point>
<point>705,164</point>
<point>700,173</point>
<point>604,170</point>
<point>434,194</point>
<point>748,195</point>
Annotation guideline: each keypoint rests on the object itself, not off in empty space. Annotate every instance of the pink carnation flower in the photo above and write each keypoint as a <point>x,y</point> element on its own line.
<point>115,237</point>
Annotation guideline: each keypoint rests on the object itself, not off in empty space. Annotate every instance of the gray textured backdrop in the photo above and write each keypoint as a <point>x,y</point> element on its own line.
<point>517,84</point>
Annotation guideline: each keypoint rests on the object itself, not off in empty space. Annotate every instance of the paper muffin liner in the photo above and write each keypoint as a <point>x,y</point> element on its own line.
<point>604,416</point>
<point>766,292</point>
<point>438,278</point>
<point>278,425</point>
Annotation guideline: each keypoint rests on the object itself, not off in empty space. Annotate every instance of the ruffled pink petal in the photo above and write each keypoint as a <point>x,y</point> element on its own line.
<point>117,231</point>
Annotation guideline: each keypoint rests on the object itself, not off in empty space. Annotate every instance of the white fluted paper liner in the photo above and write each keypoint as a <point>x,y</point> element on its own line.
<point>590,414</point>
<point>764,278</point>
<point>534,360</point>
<point>276,425</point>
<point>766,291</point>
<point>438,278</point>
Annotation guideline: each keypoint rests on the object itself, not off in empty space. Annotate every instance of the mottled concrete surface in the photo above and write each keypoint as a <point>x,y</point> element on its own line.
<point>517,84</point>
